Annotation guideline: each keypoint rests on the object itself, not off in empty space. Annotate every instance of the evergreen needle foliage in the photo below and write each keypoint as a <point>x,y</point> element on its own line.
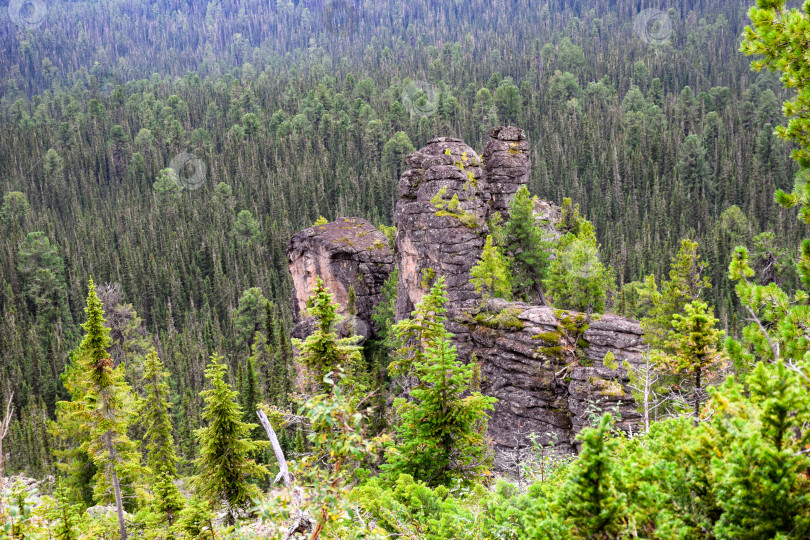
<point>226,472</point>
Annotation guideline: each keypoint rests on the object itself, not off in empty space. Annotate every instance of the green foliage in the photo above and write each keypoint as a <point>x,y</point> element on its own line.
<point>425,326</point>
<point>589,500</point>
<point>491,275</point>
<point>225,469</point>
<point>65,516</point>
<point>197,520</point>
<point>43,274</point>
<point>15,210</point>
<point>440,431</point>
<point>453,208</point>
<point>696,344</point>
<point>777,35</point>
<point>249,316</point>
<point>94,424</point>
<point>322,352</point>
<point>168,502</point>
<point>167,191</point>
<point>686,284</point>
<point>577,278</point>
<point>155,417</point>
<point>526,248</point>
<point>246,228</point>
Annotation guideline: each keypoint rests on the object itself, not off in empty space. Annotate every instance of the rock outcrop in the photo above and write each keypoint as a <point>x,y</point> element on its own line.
<point>349,252</point>
<point>442,239</point>
<point>549,369</point>
<point>507,167</point>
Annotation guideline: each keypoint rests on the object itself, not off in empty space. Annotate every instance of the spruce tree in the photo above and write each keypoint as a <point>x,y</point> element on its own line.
<point>440,434</point>
<point>168,502</point>
<point>322,352</point>
<point>225,470</point>
<point>101,409</point>
<point>156,418</point>
<point>425,326</point>
<point>526,247</point>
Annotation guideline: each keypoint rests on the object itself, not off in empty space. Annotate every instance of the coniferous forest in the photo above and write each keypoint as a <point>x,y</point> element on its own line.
<point>157,157</point>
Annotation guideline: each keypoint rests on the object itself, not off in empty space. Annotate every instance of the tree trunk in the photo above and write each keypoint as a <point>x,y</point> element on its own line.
<point>119,505</point>
<point>271,434</point>
<point>4,425</point>
<point>697,396</point>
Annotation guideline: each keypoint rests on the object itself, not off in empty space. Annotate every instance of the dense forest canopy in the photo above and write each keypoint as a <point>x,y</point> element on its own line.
<point>168,150</point>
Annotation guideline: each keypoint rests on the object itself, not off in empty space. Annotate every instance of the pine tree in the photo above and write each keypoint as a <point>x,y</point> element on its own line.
<point>440,434</point>
<point>224,467</point>
<point>590,500</point>
<point>526,248</point>
<point>156,418</point>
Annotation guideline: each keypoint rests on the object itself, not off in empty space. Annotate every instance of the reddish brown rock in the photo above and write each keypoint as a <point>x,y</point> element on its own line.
<point>349,252</point>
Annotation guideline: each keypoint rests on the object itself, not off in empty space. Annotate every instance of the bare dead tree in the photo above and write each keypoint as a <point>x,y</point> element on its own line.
<point>5,424</point>
<point>301,523</point>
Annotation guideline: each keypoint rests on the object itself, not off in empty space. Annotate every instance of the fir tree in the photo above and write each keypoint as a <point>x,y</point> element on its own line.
<point>168,502</point>
<point>101,408</point>
<point>323,351</point>
<point>424,327</point>
<point>64,516</point>
<point>526,248</point>
<point>491,275</point>
<point>156,418</point>
<point>440,434</point>
<point>224,467</point>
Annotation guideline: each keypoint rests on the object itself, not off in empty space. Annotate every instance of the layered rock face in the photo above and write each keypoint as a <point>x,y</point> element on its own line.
<point>349,252</point>
<point>546,367</point>
<point>545,382</point>
<point>441,239</point>
<point>507,167</point>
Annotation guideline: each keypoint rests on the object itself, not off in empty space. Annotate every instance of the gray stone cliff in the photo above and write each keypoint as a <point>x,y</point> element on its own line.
<point>546,367</point>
